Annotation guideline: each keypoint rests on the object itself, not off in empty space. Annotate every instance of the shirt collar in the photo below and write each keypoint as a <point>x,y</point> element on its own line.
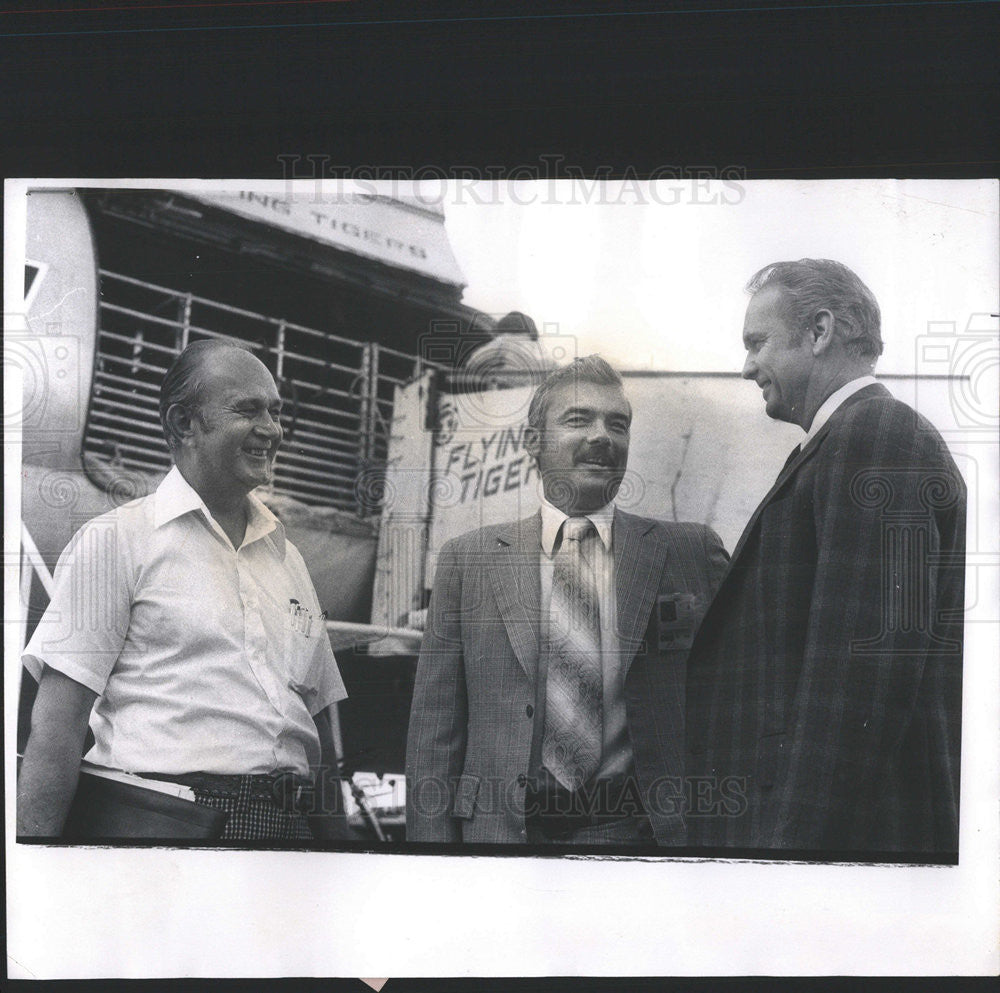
<point>553,517</point>
<point>832,402</point>
<point>175,496</point>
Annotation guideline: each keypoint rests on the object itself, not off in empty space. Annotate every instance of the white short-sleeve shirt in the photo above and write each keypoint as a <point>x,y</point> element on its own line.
<point>205,658</point>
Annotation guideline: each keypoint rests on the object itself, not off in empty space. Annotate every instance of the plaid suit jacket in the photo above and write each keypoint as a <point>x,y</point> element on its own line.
<point>472,719</point>
<point>826,676</point>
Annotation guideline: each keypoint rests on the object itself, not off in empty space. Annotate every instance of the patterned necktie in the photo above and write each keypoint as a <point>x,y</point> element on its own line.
<point>574,707</point>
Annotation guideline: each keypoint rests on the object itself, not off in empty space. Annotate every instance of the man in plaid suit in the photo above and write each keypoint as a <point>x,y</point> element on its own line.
<point>827,673</point>
<point>479,766</point>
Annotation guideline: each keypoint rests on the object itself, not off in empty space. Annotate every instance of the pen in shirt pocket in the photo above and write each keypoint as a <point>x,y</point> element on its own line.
<point>309,621</point>
<point>299,616</point>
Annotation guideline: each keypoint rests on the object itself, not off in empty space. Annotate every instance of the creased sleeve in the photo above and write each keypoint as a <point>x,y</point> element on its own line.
<point>85,625</point>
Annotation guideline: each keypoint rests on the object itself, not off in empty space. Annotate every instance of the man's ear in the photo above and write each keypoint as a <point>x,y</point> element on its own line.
<point>823,331</point>
<point>179,421</point>
<point>532,441</point>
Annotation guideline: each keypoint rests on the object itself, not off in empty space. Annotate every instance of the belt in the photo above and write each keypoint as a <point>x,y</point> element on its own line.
<point>287,790</point>
<point>556,811</point>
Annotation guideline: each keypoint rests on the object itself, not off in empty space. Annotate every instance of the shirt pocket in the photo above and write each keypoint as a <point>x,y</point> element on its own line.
<point>299,650</point>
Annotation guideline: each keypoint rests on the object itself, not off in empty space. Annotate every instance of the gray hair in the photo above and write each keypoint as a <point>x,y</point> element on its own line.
<point>184,380</point>
<point>590,369</point>
<point>811,285</point>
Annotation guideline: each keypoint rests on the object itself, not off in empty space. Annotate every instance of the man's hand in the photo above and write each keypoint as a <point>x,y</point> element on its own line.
<point>51,766</point>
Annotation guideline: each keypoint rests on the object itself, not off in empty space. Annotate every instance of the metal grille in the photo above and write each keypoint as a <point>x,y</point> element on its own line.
<point>338,393</point>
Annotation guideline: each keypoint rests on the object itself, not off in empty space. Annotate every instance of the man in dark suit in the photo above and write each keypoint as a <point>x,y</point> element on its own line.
<point>548,705</point>
<point>827,672</point>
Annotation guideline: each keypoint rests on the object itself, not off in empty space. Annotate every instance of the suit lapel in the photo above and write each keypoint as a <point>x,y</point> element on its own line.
<point>786,473</point>
<point>792,467</point>
<point>513,568</point>
<point>639,558</point>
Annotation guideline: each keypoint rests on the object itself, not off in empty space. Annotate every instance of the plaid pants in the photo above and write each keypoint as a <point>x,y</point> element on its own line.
<point>256,818</point>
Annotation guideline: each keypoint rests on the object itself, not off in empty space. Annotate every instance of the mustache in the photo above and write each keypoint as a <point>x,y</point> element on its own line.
<point>603,454</point>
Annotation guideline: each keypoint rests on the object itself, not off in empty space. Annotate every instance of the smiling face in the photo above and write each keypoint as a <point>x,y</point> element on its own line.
<point>235,431</point>
<point>779,359</point>
<point>582,449</point>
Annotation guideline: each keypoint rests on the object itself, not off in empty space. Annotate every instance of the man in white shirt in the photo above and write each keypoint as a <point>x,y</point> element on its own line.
<point>828,672</point>
<point>548,704</point>
<point>185,630</point>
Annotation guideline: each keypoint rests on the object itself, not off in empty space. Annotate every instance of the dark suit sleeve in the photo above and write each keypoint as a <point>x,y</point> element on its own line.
<point>716,559</point>
<point>436,741</point>
<point>873,662</point>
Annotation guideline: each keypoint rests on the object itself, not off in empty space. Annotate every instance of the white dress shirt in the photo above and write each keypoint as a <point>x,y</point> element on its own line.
<point>199,658</point>
<point>832,402</point>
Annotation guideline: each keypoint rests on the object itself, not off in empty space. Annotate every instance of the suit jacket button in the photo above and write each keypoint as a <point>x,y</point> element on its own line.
<point>529,710</point>
<point>522,780</point>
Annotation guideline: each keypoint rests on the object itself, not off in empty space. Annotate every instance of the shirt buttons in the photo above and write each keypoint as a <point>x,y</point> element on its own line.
<point>529,710</point>
<point>522,780</point>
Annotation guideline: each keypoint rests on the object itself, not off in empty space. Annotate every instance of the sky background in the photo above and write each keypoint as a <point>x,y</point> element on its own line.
<point>653,276</point>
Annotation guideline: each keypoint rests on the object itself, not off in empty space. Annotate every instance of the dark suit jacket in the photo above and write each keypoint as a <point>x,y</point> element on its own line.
<point>471,723</point>
<point>827,671</point>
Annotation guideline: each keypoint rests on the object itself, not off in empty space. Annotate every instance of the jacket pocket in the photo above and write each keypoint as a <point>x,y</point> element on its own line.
<point>676,617</point>
<point>465,795</point>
